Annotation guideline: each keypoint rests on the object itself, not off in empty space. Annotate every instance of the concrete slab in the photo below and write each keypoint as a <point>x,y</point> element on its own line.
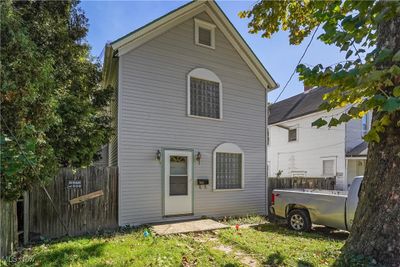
<point>187,227</point>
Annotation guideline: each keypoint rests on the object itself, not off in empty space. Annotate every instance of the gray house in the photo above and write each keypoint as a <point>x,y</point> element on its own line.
<point>190,116</point>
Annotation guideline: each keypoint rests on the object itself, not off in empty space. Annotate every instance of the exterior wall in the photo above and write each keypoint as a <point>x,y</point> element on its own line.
<point>355,167</point>
<point>153,115</point>
<point>353,134</point>
<point>311,148</point>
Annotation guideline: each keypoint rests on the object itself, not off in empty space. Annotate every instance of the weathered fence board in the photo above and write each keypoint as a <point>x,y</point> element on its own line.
<point>300,182</point>
<point>85,217</point>
<point>8,227</point>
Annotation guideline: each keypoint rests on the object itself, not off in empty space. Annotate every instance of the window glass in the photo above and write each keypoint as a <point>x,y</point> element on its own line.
<point>204,36</point>
<point>228,170</point>
<point>292,135</point>
<point>204,98</point>
<point>178,180</point>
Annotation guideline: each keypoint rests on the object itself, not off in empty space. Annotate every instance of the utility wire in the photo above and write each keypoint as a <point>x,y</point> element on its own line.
<point>33,168</point>
<point>298,63</point>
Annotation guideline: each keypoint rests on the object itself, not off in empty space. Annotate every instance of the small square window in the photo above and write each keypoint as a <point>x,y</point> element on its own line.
<point>328,167</point>
<point>292,135</point>
<point>204,36</point>
<point>204,33</point>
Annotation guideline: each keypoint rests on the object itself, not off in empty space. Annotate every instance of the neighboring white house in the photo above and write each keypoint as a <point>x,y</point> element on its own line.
<point>190,118</point>
<point>295,148</point>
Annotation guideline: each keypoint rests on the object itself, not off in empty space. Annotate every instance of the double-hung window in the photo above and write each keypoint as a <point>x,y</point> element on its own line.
<point>228,167</point>
<point>204,94</point>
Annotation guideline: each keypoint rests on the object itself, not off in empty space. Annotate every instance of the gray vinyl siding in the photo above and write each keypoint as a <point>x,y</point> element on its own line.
<point>153,115</point>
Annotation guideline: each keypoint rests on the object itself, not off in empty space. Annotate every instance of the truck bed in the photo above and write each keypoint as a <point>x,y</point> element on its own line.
<point>326,207</point>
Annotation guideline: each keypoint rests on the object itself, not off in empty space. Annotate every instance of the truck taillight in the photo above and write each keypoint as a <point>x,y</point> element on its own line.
<point>273,198</point>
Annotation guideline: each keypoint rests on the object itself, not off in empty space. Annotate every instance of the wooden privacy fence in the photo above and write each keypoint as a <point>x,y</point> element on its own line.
<point>300,182</point>
<point>84,202</point>
<point>8,227</point>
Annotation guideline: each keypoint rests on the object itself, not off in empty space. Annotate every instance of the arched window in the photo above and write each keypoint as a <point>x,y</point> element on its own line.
<point>204,90</point>
<point>228,167</point>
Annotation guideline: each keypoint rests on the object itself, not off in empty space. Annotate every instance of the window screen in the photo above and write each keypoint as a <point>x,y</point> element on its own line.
<point>204,98</point>
<point>228,171</point>
<point>328,167</point>
<point>292,135</point>
<point>204,36</point>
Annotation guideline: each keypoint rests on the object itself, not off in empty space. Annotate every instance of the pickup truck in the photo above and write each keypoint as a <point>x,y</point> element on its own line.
<point>302,207</point>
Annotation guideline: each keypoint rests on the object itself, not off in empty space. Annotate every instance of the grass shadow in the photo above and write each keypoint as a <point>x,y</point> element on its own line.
<point>318,233</point>
<point>66,256</point>
<point>275,259</point>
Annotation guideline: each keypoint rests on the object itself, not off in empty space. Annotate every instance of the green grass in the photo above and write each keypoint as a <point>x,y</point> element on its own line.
<point>269,244</point>
<point>249,219</point>
<point>131,249</point>
<point>276,245</point>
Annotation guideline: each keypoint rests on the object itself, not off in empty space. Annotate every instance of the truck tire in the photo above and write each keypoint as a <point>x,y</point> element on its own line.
<point>299,220</point>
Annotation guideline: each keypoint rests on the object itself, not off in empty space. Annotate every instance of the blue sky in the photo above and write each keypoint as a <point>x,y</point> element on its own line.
<point>110,20</point>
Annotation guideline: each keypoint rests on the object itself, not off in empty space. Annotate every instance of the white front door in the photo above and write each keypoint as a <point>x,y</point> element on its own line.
<point>178,182</point>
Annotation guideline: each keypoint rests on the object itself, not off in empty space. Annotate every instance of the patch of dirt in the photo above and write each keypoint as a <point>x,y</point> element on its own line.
<point>244,258</point>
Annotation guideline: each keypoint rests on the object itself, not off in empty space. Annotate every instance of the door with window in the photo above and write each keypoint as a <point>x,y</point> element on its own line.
<point>178,182</point>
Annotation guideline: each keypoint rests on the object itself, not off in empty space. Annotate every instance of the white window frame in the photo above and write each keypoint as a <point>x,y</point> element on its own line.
<point>334,166</point>
<point>206,25</point>
<point>226,148</point>
<point>204,74</point>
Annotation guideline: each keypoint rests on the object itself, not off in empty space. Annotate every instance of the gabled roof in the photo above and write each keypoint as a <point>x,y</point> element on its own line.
<point>296,106</point>
<point>358,151</point>
<point>155,28</point>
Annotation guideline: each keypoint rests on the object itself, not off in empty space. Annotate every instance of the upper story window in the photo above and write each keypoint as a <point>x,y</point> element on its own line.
<point>292,135</point>
<point>204,94</point>
<point>204,33</point>
<point>228,169</point>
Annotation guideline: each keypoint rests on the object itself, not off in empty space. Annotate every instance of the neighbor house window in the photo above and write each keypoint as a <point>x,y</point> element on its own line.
<point>228,167</point>
<point>364,124</point>
<point>204,94</point>
<point>328,167</point>
<point>204,33</point>
<point>292,135</point>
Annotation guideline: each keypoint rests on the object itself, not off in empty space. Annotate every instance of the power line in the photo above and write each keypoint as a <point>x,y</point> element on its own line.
<point>298,63</point>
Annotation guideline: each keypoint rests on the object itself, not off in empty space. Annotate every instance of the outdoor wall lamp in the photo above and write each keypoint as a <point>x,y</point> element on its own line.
<point>158,155</point>
<point>198,157</point>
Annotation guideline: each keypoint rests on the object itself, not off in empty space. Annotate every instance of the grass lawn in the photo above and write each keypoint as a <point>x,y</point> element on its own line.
<point>268,244</point>
<point>276,245</point>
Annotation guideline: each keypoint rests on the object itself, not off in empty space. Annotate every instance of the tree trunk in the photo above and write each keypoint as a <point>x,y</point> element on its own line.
<point>376,229</point>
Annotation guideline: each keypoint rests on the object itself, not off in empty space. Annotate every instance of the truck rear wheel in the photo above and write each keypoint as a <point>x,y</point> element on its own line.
<point>299,220</point>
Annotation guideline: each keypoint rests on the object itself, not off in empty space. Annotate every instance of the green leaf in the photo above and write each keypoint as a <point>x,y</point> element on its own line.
<point>345,117</point>
<point>372,136</point>
<point>396,57</point>
<point>396,91</point>
<point>391,104</point>
<point>333,122</point>
<point>319,123</point>
<point>349,53</point>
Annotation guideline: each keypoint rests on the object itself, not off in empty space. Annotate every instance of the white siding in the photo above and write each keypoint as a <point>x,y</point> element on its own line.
<point>308,152</point>
<point>153,115</point>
